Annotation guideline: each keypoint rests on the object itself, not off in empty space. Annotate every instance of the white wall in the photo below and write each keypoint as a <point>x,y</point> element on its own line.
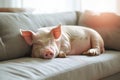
<point>118,6</point>
<point>49,6</point>
<point>46,6</point>
<point>99,5</point>
<point>10,3</point>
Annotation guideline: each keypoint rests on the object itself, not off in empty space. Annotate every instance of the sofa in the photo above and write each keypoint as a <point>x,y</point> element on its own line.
<point>17,64</point>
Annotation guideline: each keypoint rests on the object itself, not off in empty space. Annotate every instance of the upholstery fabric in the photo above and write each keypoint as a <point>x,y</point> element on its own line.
<point>112,77</point>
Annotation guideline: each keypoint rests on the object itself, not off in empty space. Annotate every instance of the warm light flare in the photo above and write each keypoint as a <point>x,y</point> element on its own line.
<point>99,5</point>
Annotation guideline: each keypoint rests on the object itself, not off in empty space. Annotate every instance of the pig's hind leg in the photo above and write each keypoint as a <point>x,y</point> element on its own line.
<point>97,46</point>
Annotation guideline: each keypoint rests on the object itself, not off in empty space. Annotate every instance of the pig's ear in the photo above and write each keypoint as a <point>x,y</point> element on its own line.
<point>27,35</point>
<point>56,32</point>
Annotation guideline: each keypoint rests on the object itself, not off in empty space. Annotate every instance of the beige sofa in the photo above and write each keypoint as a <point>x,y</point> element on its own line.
<point>16,63</point>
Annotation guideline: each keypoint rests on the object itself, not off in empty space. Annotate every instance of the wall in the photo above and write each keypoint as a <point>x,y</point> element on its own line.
<point>11,3</point>
<point>65,5</point>
<point>50,6</point>
<point>118,6</point>
<point>99,5</point>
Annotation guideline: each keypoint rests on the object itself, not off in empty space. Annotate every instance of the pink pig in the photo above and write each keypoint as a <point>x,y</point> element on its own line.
<point>50,42</point>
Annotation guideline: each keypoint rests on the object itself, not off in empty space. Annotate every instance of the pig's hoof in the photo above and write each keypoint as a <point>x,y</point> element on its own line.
<point>92,52</point>
<point>61,55</point>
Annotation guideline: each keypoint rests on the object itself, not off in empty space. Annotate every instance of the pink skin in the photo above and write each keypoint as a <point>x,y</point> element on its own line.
<point>42,44</point>
<point>47,53</point>
<point>71,40</point>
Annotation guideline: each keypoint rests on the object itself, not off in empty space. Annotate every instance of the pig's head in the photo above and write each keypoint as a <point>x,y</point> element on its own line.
<point>45,42</point>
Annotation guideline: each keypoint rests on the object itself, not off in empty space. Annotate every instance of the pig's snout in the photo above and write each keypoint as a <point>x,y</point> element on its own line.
<point>48,53</point>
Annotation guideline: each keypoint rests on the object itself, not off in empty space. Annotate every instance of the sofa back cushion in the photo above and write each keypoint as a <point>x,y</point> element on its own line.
<point>107,24</point>
<point>12,45</point>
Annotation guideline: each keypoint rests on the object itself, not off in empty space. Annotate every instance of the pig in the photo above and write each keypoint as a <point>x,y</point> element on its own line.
<point>62,40</point>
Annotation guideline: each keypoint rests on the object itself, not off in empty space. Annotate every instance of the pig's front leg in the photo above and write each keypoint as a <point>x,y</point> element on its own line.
<point>61,54</point>
<point>92,52</point>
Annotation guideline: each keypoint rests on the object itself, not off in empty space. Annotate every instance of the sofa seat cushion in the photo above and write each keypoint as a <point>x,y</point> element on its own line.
<point>70,68</point>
